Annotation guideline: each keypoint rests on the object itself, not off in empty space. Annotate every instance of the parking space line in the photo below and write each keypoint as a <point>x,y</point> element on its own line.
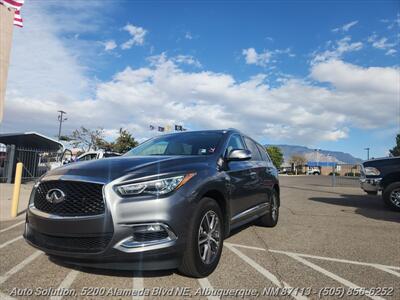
<point>329,274</point>
<point>244,246</point>
<point>271,277</point>
<point>10,242</point>
<point>206,285</point>
<point>19,267</point>
<point>336,259</point>
<point>66,283</point>
<point>387,270</point>
<point>12,226</point>
<point>138,284</point>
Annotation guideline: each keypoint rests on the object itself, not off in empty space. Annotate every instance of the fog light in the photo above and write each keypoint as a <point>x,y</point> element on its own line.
<point>148,228</point>
<point>146,235</point>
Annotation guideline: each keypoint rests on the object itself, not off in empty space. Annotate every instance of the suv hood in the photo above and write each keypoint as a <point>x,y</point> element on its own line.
<point>107,169</point>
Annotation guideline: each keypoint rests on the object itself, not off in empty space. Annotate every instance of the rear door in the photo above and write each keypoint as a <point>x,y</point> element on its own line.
<point>258,171</point>
<point>267,175</point>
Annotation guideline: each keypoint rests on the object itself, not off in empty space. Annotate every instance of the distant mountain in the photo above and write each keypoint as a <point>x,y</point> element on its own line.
<point>321,155</point>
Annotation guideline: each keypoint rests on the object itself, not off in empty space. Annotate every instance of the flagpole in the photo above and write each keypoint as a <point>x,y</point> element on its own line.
<point>6,31</point>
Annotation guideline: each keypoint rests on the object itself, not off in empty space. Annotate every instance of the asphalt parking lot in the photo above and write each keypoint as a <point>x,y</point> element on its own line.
<point>328,240</point>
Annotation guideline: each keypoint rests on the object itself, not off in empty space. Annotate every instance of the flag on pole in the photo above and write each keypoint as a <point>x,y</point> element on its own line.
<point>16,5</point>
<point>178,128</point>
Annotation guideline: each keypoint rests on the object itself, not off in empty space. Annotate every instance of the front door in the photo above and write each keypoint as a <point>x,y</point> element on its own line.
<point>241,179</point>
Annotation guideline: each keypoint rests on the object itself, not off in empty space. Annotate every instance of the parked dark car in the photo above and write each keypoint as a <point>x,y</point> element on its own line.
<point>168,203</point>
<point>382,174</point>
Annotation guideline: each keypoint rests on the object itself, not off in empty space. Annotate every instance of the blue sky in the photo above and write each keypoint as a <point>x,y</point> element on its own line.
<point>320,74</point>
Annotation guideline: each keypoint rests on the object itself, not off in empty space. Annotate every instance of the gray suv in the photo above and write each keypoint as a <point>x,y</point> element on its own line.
<point>168,203</point>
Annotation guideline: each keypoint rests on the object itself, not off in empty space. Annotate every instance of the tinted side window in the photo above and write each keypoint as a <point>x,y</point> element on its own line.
<point>235,142</point>
<point>263,152</point>
<point>255,154</point>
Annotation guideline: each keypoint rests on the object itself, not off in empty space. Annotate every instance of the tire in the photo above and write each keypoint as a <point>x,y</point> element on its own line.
<point>270,219</point>
<point>316,173</point>
<point>193,264</point>
<point>372,192</point>
<point>391,196</point>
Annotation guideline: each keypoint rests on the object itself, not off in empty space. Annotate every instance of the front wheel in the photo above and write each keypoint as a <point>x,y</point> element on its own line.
<point>270,219</point>
<point>204,240</point>
<point>391,196</point>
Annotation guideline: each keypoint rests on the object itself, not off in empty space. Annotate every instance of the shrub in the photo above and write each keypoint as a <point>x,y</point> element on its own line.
<point>336,174</point>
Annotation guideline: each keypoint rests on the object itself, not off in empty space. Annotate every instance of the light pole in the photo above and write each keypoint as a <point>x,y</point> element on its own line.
<point>367,152</point>
<point>61,119</point>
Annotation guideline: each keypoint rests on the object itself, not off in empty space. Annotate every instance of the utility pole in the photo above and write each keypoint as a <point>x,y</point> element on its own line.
<point>367,152</point>
<point>61,119</point>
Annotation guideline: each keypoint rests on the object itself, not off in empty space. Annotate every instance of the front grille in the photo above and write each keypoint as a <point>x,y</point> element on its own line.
<point>68,244</point>
<point>150,236</point>
<point>81,198</point>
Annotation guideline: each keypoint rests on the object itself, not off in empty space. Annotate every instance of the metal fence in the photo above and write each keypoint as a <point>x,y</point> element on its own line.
<point>35,162</point>
<point>345,175</point>
<point>3,163</point>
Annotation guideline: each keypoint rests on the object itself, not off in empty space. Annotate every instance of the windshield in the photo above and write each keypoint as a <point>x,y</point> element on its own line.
<point>193,143</point>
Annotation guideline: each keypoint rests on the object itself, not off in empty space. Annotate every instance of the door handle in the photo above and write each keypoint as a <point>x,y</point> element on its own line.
<point>253,174</point>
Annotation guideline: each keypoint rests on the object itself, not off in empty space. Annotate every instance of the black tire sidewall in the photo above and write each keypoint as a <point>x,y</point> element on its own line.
<point>205,205</point>
<point>386,195</point>
<point>267,220</point>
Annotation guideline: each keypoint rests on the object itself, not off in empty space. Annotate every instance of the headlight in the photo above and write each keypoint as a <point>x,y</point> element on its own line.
<point>155,187</point>
<point>370,171</point>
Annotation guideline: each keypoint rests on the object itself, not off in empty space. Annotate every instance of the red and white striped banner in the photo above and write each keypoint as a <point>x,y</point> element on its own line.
<point>15,4</point>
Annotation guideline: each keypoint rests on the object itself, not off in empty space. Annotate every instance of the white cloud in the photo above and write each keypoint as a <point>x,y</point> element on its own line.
<point>50,77</point>
<point>383,43</point>
<point>345,27</point>
<point>40,63</point>
<point>163,93</point>
<point>341,47</point>
<point>109,45</point>
<point>188,35</point>
<point>391,52</point>
<point>187,59</point>
<point>252,57</point>
<point>137,36</point>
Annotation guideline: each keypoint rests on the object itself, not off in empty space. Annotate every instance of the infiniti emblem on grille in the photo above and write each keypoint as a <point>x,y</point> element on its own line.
<point>55,196</point>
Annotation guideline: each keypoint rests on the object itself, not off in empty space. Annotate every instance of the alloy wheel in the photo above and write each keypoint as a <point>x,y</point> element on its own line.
<point>395,197</point>
<point>274,207</point>
<point>209,237</point>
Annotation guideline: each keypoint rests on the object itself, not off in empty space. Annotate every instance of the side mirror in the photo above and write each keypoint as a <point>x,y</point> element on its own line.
<point>239,154</point>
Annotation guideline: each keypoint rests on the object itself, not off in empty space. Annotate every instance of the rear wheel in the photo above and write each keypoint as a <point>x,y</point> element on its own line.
<point>391,196</point>
<point>205,240</point>
<point>270,219</point>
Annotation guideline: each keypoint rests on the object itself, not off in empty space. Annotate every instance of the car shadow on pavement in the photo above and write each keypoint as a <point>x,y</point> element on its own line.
<point>366,205</point>
<point>112,272</point>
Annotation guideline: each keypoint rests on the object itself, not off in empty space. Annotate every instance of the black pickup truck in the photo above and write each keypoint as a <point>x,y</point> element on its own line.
<point>382,174</point>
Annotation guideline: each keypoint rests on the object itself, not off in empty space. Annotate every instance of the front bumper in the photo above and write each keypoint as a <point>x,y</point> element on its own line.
<point>97,240</point>
<point>370,184</point>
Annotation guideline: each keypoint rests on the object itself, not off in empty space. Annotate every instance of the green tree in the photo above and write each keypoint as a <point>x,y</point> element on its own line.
<point>396,149</point>
<point>124,142</point>
<point>88,139</point>
<point>276,155</point>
